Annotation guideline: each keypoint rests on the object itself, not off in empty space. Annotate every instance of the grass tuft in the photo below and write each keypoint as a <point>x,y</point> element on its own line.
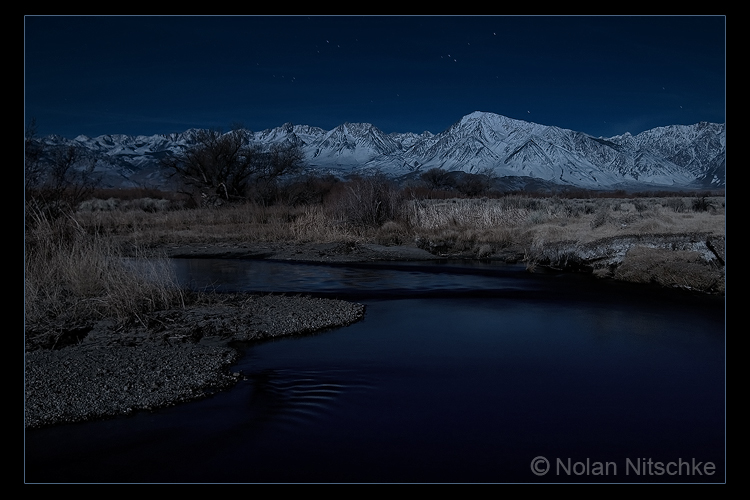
<point>72,278</point>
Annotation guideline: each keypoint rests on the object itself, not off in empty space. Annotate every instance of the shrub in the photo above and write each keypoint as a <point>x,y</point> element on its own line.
<point>307,190</point>
<point>703,205</point>
<point>437,178</point>
<point>601,216</point>
<point>484,250</point>
<point>366,202</point>
<point>676,204</point>
<point>392,233</point>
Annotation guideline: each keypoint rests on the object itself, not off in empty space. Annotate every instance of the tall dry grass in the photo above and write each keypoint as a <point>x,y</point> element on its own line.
<point>72,277</point>
<point>525,222</point>
<point>485,225</point>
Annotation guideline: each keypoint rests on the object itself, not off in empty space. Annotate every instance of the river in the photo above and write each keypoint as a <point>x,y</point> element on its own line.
<point>459,373</point>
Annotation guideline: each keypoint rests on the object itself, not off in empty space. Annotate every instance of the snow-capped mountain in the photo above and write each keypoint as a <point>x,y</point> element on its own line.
<point>688,156</point>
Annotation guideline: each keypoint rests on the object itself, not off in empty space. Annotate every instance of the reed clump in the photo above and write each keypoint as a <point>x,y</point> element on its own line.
<point>73,277</point>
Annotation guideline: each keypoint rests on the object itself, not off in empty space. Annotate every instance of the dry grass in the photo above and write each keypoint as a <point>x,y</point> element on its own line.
<point>71,276</point>
<point>524,222</point>
<point>76,268</point>
<point>231,224</point>
<point>454,225</point>
<point>675,269</point>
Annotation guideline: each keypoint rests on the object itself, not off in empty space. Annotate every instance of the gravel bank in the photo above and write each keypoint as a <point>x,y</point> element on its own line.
<point>172,356</point>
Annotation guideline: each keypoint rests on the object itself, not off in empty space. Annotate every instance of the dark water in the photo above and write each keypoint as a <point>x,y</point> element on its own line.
<point>458,373</point>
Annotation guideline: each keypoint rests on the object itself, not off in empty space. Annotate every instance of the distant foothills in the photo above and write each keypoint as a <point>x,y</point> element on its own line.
<point>682,157</point>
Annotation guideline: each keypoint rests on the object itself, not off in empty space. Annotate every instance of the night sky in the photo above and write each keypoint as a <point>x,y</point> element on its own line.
<point>145,75</point>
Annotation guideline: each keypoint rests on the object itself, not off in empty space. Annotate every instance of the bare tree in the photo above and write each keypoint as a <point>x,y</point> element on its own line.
<point>226,166</point>
<point>56,178</point>
<point>32,173</point>
<point>437,178</point>
<point>367,201</point>
<point>475,184</point>
<point>279,161</point>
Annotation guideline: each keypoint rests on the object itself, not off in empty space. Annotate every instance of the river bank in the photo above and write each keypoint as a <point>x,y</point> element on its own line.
<point>691,261</point>
<point>105,369</point>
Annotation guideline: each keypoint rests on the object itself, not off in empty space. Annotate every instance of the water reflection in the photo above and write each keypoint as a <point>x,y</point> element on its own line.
<point>362,280</point>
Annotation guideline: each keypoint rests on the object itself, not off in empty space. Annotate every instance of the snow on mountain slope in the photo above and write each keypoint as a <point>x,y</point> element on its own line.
<point>350,145</point>
<point>690,156</point>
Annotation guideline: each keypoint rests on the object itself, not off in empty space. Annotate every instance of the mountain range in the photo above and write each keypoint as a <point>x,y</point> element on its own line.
<point>676,156</point>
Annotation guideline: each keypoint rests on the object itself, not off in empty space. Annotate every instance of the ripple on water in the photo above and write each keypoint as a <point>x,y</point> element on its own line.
<point>294,398</point>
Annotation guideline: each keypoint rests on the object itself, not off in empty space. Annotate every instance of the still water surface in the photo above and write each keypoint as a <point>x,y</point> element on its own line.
<point>458,373</point>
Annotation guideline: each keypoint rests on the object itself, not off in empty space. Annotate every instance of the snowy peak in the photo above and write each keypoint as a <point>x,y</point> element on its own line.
<point>689,156</point>
<point>482,120</point>
<point>298,134</point>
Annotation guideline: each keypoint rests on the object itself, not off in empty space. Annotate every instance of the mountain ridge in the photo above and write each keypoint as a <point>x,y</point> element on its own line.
<point>673,156</point>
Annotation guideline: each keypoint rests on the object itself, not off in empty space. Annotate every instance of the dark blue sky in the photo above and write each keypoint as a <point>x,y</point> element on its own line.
<point>152,74</point>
